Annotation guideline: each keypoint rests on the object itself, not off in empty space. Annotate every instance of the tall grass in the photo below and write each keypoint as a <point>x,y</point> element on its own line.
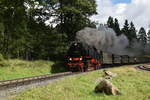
<point>134,85</point>
<point>12,69</point>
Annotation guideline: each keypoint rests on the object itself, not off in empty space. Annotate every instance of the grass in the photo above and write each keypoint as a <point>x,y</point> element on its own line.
<point>16,68</point>
<point>134,85</point>
<point>148,66</point>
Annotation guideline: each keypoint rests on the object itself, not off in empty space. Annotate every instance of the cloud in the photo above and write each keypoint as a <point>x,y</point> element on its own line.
<point>137,11</point>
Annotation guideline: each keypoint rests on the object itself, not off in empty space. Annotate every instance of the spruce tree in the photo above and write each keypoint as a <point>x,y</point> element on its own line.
<point>142,37</point>
<point>132,34</point>
<point>110,22</point>
<point>148,37</point>
<point>116,27</point>
<point>125,30</point>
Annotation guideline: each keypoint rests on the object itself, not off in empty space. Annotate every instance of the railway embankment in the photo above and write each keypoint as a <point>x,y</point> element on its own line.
<point>133,84</point>
<point>16,68</point>
<point>11,87</point>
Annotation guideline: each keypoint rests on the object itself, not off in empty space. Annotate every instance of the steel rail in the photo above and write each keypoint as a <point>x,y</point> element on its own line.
<point>143,67</point>
<point>27,80</point>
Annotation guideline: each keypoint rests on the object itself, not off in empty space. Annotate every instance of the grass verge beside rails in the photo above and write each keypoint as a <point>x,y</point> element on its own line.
<point>133,84</point>
<point>13,69</point>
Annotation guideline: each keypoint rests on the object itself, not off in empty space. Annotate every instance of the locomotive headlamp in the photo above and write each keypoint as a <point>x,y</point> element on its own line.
<point>70,58</point>
<point>75,44</point>
<point>80,58</point>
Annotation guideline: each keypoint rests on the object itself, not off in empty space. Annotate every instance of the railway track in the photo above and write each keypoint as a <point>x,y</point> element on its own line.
<point>28,80</point>
<point>143,67</point>
<point>11,87</point>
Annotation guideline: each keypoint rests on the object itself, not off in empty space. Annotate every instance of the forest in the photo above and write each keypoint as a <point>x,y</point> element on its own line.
<point>43,29</point>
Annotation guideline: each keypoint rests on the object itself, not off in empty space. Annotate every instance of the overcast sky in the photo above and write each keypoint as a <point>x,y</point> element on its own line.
<point>137,11</point>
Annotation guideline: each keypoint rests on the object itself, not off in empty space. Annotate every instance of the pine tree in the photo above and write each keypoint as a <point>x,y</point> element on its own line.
<point>142,37</point>
<point>125,30</point>
<point>110,22</point>
<point>148,37</point>
<point>113,23</point>
<point>117,27</point>
<point>132,34</point>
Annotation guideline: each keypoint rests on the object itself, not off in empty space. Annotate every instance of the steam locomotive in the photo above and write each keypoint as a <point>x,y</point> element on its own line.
<point>82,57</point>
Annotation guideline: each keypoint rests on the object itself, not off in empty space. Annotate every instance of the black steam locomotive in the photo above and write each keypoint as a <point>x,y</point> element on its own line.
<point>82,57</point>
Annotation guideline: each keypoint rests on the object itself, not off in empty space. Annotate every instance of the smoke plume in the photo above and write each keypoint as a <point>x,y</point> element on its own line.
<point>104,39</point>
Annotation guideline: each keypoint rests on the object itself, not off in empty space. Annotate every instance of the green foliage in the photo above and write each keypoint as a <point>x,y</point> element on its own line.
<point>24,34</point>
<point>125,29</point>
<point>1,57</point>
<point>129,31</point>
<point>74,15</point>
<point>58,67</point>
<point>117,27</point>
<point>3,62</point>
<point>110,22</point>
<point>142,37</point>
<point>114,25</point>
<point>132,30</point>
<point>14,22</point>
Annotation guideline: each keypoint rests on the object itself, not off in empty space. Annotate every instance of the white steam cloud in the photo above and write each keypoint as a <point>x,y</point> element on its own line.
<point>104,39</point>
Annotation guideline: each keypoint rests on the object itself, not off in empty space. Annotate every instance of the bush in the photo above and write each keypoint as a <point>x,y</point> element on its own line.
<point>1,57</point>
<point>3,62</point>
